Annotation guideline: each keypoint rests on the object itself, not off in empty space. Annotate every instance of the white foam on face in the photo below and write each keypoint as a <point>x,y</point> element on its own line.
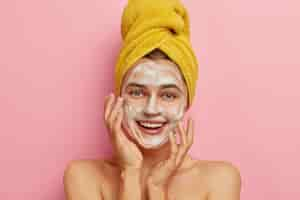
<point>153,72</point>
<point>153,75</point>
<point>148,141</point>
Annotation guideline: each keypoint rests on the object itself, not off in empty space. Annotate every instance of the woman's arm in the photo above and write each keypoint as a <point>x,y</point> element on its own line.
<point>130,187</point>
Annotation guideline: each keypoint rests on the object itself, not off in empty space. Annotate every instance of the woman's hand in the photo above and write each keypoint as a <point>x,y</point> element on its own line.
<point>128,154</point>
<point>163,171</point>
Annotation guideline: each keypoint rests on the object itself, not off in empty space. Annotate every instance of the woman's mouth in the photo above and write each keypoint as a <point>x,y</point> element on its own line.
<point>151,127</point>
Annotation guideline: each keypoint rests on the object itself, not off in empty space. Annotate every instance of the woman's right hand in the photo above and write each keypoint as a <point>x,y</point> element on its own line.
<point>128,154</point>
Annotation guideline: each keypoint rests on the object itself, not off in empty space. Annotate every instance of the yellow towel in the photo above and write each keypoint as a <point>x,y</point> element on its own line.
<point>163,24</point>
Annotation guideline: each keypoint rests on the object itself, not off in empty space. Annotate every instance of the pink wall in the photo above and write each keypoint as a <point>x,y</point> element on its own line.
<point>57,59</point>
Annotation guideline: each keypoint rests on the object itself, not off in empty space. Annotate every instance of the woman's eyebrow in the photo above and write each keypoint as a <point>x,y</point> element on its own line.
<point>171,86</point>
<point>133,84</point>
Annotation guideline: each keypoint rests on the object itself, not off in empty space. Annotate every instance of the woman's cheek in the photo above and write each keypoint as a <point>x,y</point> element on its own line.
<point>175,112</point>
<point>132,109</point>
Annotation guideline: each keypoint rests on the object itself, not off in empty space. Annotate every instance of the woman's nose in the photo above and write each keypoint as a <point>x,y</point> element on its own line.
<point>152,108</point>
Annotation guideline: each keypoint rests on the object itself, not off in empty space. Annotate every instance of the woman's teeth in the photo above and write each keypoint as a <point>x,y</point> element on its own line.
<point>151,125</point>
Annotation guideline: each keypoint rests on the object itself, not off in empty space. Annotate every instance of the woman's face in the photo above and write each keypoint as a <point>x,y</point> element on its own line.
<point>155,100</point>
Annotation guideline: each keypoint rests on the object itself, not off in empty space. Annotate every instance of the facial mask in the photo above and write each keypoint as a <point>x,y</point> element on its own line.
<point>153,75</point>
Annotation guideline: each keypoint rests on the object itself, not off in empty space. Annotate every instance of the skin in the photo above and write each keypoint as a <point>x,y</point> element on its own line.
<point>140,168</point>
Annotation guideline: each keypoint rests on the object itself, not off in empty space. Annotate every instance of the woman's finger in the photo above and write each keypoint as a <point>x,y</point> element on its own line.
<point>106,98</point>
<point>173,144</point>
<point>183,147</point>
<point>182,133</point>
<point>108,106</point>
<point>114,112</point>
<point>180,157</point>
<point>190,131</point>
<point>190,134</point>
<point>118,125</point>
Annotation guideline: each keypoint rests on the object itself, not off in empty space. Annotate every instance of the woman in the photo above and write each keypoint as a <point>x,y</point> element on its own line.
<point>156,75</point>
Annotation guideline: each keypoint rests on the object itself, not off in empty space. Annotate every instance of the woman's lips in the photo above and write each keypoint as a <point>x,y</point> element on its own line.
<point>151,128</point>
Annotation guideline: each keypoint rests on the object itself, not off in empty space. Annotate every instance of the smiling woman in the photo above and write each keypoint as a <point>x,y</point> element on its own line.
<point>155,85</point>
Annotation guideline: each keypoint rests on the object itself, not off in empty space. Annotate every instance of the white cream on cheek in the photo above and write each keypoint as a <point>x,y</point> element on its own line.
<point>153,74</point>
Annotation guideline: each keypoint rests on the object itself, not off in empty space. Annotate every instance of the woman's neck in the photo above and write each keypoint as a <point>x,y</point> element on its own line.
<point>153,156</point>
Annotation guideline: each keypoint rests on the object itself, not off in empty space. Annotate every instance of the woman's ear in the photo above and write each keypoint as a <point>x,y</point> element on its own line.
<point>187,107</point>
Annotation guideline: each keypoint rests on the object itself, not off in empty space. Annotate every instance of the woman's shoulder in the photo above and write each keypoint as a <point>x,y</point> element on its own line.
<point>93,171</point>
<point>90,167</point>
<point>219,173</point>
<point>213,166</point>
<point>92,176</point>
<point>81,169</point>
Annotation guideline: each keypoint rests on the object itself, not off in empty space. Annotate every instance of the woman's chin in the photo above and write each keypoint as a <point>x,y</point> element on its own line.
<point>156,146</point>
<point>152,142</point>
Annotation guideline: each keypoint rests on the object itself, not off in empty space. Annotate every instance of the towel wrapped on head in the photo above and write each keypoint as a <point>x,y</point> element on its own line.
<point>157,24</point>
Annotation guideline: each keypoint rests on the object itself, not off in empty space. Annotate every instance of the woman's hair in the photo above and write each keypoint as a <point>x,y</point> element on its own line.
<point>157,53</point>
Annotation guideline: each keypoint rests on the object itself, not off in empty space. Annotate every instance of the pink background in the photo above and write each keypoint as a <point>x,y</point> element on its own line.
<point>57,59</point>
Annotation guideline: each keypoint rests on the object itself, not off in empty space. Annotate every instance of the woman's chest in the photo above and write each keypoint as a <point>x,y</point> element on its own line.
<point>184,187</point>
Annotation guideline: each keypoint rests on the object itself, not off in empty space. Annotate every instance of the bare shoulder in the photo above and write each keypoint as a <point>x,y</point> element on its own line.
<point>96,170</point>
<point>216,168</point>
<point>84,174</point>
<point>222,178</point>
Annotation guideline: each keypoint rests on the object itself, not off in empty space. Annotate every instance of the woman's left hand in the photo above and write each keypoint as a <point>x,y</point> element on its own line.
<point>163,171</point>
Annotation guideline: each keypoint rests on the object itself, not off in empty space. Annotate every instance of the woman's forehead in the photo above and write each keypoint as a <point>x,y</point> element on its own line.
<point>158,72</point>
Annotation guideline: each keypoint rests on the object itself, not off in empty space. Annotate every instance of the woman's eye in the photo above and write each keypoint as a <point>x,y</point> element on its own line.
<point>169,96</point>
<point>136,93</point>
